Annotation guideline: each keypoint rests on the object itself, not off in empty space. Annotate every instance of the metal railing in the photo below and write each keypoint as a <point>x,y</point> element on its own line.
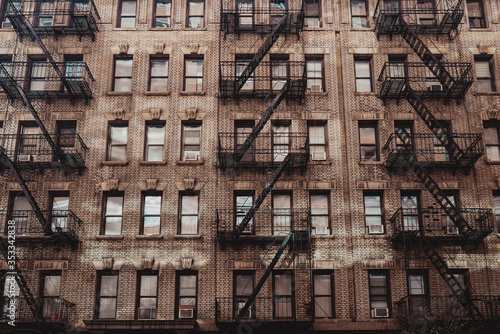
<point>260,20</point>
<point>51,310</point>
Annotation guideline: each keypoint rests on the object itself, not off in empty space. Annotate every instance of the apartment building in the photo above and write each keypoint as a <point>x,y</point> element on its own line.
<point>250,166</point>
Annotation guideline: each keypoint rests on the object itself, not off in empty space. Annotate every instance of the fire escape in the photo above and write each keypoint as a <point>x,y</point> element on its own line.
<point>417,83</point>
<point>26,153</point>
<point>271,81</point>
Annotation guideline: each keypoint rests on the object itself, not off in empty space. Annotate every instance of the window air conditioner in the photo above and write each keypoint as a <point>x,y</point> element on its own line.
<point>315,88</point>
<point>322,230</point>
<point>190,156</point>
<point>186,313</point>
<point>315,156</point>
<point>436,88</point>
<point>451,229</point>
<point>247,315</point>
<point>25,158</point>
<point>375,229</point>
<point>380,312</point>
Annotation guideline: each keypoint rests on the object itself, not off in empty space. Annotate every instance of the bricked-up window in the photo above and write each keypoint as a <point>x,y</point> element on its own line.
<point>196,14</point>
<point>58,214</point>
<point>193,74</point>
<point>122,81</point>
<point>410,205</point>
<point>484,75</point>
<point>187,295</point>
<point>282,213</point>
<point>280,140</point>
<point>243,288</point>
<point>317,141</point>
<point>492,141</point>
<point>19,212</point>
<point>162,14</point>
<point>151,213</point>
<point>158,80</point>
<point>5,284</point>
<point>368,142</point>
<point>113,213</point>
<point>45,13</point>
<point>315,74</point>
<point>323,295</point>
<point>147,294</point>
<point>117,141</point>
<point>189,212</point>
<point>191,141</point>
<point>359,14</point>
<point>475,12</point>
<point>320,213</point>
<point>418,291</point>
<point>363,72</point>
<point>6,24</point>
<point>379,293</point>
<point>107,293</point>
<point>374,219</point>
<point>50,291</point>
<point>127,14</point>
<point>283,298</point>
<point>38,72</point>
<point>243,201</point>
<point>312,17</point>
<point>155,141</point>
<point>496,207</point>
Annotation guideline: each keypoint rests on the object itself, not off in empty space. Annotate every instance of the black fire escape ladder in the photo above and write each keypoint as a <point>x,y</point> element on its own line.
<point>264,277</point>
<point>267,189</point>
<point>264,49</point>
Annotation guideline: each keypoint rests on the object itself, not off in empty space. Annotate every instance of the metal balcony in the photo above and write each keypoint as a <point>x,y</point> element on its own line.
<point>396,77</point>
<point>266,81</point>
<point>39,80</point>
<point>64,17</point>
<point>441,308</point>
<point>437,17</point>
<point>430,152</point>
<point>260,20</point>
<point>435,224</point>
<point>266,225</point>
<point>53,311</point>
<point>32,151</point>
<point>267,151</point>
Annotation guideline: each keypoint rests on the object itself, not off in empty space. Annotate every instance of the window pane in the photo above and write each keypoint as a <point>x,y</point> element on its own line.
<point>118,153</point>
<point>491,136</point>
<point>317,135</point>
<point>52,286</point>
<point>372,205</point>
<point>119,135</point>
<point>189,225</point>
<point>244,285</point>
<point>282,201</point>
<point>187,285</point>
<point>113,226</point>
<point>149,285</point>
<point>155,153</point>
<point>162,22</point>
<point>163,8</point>
<point>196,8</point>
<point>322,285</point>
<point>159,67</point>
<point>152,225</point>
<point>123,68</point>
<point>282,285</point>
<point>128,7</point>
<point>109,286</point>
<point>60,203</point>
<point>483,69</point>
<point>107,308</point>
<point>114,206</point>
<point>323,307</point>
<point>493,153</point>
<point>358,7</point>
<point>319,204</point>
<point>373,220</point>
<point>152,205</point>
<point>484,85</point>
<point>194,67</point>
<point>362,68</point>
<point>21,203</point>
<point>156,134</point>
<point>416,284</point>
<point>189,205</point>
<point>363,85</point>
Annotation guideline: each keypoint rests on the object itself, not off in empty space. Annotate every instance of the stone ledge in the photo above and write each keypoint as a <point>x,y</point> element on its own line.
<point>152,163</point>
<point>150,93</point>
<point>186,93</point>
<point>114,163</point>
<point>149,237</point>
<point>109,237</point>
<point>113,93</point>
<point>193,163</point>
<point>187,236</point>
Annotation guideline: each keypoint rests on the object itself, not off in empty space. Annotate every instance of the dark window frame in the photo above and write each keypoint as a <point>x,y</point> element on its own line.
<point>152,77</point>
<point>331,296</point>
<point>387,294</point>
<point>51,216</point>
<point>115,77</point>
<point>168,18</point>
<point>56,300</point>
<point>181,195</point>
<point>118,124</point>
<point>371,193</point>
<point>426,296</point>
<point>145,194</point>
<point>491,78</point>
<point>147,141</point>
<point>178,274</point>
<point>105,197</point>
<point>328,201</point>
<point>100,274</point>
<point>249,156</point>
<point>411,215</point>
<point>183,138</point>
<point>364,59</point>
<point>292,296</point>
<point>321,59</point>
<point>120,15</point>
<point>374,125</point>
<point>481,18</point>
<point>140,274</point>
<point>236,297</point>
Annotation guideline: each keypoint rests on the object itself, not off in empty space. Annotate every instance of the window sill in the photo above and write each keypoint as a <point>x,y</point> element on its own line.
<point>362,29</point>
<point>315,236</point>
<point>125,29</point>
<point>365,94</point>
<point>113,93</point>
<point>160,29</point>
<point>480,29</point>
<point>493,162</point>
<point>487,93</point>
<point>195,29</point>
<point>314,29</point>
<point>316,93</point>
<point>376,236</point>
<point>188,163</point>
<point>114,163</point>
<point>150,93</point>
<point>152,163</point>
<point>320,162</point>
<point>109,237</point>
<point>187,236</point>
<point>187,93</point>
<point>149,237</point>
<point>371,162</point>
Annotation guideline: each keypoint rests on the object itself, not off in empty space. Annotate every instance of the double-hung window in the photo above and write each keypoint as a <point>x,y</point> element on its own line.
<point>496,208</point>
<point>45,13</point>
<point>410,211</point>
<point>492,141</point>
<point>359,14</point>
<point>38,75</point>
<point>107,293</point>
<point>28,142</point>
<point>187,295</point>
<point>283,299</point>
<point>151,213</point>
<point>475,12</point>
<point>315,77</point>
<point>191,142</point>
<point>6,8</point>
<point>117,142</point>
<point>162,14</point>
<point>374,221</point>
<point>128,14</point>
<point>484,75</point>
<point>242,130</point>
<point>245,13</point>
<point>113,214</point>
<point>323,295</point>
<point>155,141</point>
<point>317,141</point>
<point>243,203</point>
<point>159,75</point>
<point>59,212</point>
<point>147,294</point>
<point>363,74</point>
<point>312,14</point>
<point>379,293</point>
<point>123,75</point>
<point>243,288</point>
<point>279,72</point>
<point>20,213</point>
<point>368,142</point>
<point>189,213</point>
<point>417,291</point>
<point>282,213</point>
<point>193,74</point>
<point>280,140</point>
<point>320,213</point>
<point>196,14</point>
<point>7,297</point>
<point>50,292</point>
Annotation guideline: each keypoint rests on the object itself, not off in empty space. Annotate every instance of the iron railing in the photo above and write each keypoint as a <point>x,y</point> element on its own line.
<point>260,20</point>
<point>396,78</point>
<point>49,310</point>
<point>32,151</point>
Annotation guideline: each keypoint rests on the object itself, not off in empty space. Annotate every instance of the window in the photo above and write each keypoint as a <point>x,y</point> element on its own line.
<point>155,142</point>
<point>159,75</point>
<point>147,294</point>
<point>283,295</point>
<point>196,14</point>
<point>107,292</point>
<point>151,213</point>
<point>162,14</point>
<point>193,76</point>
<point>280,140</point>
<point>359,14</point>
<point>368,142</point>
<point>117,142</point>
<point>374,221</point>
<point>456,308</point>
<point>128,13</point>
<point>37,77</point>
<point>243,202</point>
<point>242,130</point>
<point>6,300</point>
<point>448,225</point>
<point>404,139</point>
<point>186,301</point>
<point>123,75</point>
<point>418,291</point>
<point>113,214</point>
<point>475,12</point>
<point>243,288</point>
<point>188,213</point>
<point>279,72</point>
<point>426,10</point>
<point>410,211</point>
<point>320,213</point>
<point>363,72</point>
<point>50,291</point>
<point>191,142</point>
<point>431,80</point>
<point>242,63</point>
<point>317,141</point>
<point>379,293</point>
<point>20,211</point>
<point>312,14</point>
<point>245,13</point>
<point>492,141</point>
<point>496,207</point>
<point>440,152</point>
<point>5,64</point>
<point>315,77</point>
<point>45,13</point>
<point>323,295</point>
<point>73,69</point>
<point>484,75</point>
<point>66,136</point>
<point>59,211</point>
<point>282,213</point>
<point>6,24</point>
<point>27,146</point>
<point>278,8</point>
<point>397,66</point>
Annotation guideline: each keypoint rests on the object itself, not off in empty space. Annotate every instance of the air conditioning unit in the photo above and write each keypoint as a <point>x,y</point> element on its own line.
<point>190,156</point>
<point>451,229</point>
<point>186,313</point>
<point>322,230</point>
<point>315,88</point>
<point>147,313</point>
<point>380,312</point>
<point>249,313</point>
<point>25,158</point>
<point>317,156</point>
<point>375,229</point>
<point>436,88</point>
